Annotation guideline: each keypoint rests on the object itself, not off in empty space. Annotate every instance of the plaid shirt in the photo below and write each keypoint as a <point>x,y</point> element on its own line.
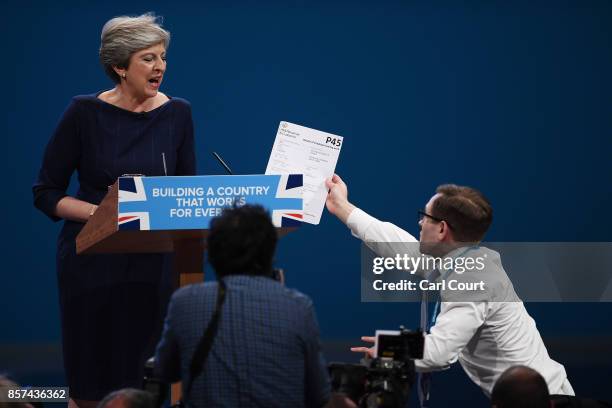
<point>266,353</point>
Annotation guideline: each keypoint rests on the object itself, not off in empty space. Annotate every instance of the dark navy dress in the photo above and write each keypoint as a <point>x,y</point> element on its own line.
<point>112,306</point>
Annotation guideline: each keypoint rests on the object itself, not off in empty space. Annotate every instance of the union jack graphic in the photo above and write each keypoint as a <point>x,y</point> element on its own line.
<point>289,186</point>
<point>132,189</point>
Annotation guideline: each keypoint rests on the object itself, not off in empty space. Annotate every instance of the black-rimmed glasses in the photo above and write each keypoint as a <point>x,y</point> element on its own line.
<point>422,214</point>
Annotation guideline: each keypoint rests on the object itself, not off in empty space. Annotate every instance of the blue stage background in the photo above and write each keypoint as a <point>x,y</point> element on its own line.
<point>510,97</point>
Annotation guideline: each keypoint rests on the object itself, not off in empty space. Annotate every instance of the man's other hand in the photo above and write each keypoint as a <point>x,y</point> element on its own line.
<point>369,351</point>
<point>337,198</point>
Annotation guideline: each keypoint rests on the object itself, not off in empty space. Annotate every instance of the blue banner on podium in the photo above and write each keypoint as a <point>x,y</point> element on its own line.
<point>191,202</point>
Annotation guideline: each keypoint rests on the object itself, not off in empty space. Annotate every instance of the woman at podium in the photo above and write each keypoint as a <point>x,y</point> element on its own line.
<point>112,306</point>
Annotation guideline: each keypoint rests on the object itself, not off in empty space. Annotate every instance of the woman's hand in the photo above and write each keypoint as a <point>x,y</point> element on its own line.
<point>70,208</point>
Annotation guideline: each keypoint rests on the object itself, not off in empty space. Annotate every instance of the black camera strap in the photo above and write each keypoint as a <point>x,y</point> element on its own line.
<point>205,343</point>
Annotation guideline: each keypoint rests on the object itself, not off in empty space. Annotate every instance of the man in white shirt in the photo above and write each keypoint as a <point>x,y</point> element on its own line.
<point>486,334</point>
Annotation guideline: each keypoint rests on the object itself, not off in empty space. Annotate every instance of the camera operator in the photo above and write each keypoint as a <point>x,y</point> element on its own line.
<point>266,351</point>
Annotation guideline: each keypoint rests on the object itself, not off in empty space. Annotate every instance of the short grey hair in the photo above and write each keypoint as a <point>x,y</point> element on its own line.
<point>123,36</point>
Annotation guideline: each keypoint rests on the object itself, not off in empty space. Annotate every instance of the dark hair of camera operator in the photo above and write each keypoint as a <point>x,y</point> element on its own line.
<point>242,241</point>
<point>266,349</point>
<point>520,387</point>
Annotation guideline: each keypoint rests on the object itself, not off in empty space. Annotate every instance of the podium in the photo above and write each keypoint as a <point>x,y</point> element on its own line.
<point>173,214</point>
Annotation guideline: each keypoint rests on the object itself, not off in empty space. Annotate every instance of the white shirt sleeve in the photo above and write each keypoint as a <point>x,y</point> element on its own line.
<point>454,328</point>
<point>383,238</point>
<point>369,229</point>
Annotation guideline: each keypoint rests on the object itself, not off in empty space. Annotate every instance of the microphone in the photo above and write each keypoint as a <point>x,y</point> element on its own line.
<point>222,162</point>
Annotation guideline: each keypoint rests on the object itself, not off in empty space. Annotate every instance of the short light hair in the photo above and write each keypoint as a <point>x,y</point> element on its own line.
<point>123,36</point>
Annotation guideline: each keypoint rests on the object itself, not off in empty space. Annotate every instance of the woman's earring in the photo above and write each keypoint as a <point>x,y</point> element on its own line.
<point>123,76</point>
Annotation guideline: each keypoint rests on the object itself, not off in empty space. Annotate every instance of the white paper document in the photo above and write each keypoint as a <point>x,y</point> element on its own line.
<point>301,150</point>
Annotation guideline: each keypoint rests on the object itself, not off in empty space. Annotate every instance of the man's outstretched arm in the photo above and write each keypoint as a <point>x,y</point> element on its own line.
<point>362,225</point>
<point>455,326</point>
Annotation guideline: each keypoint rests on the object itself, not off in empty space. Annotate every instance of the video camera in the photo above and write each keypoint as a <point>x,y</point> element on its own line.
<point>386,380</point>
